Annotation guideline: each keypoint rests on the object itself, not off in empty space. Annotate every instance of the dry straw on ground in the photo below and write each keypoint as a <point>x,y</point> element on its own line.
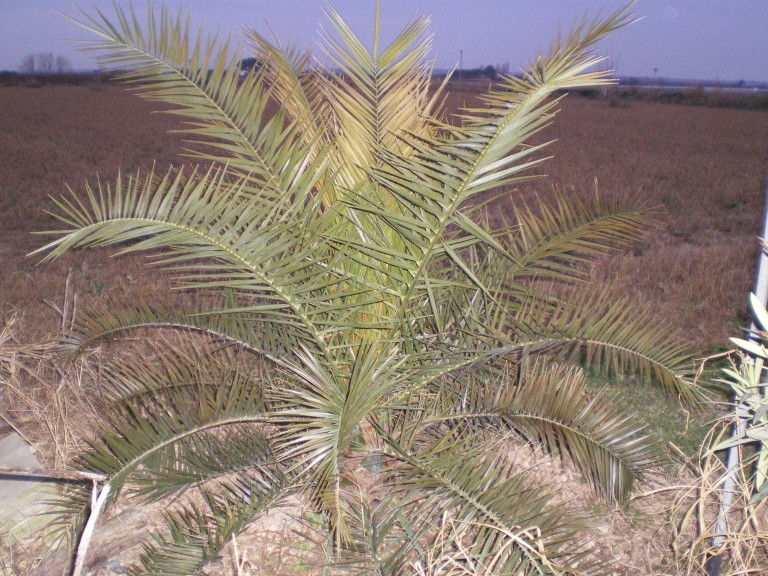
<point>744,543</point>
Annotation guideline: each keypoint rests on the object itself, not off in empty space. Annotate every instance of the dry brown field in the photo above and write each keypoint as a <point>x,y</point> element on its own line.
<point>704,168</point>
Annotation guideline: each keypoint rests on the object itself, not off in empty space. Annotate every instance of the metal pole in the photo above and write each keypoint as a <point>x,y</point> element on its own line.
<point>733,454</point>
<point>761,276</point>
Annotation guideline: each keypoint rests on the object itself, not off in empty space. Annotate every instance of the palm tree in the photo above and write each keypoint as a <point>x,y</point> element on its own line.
<point>378,346</point>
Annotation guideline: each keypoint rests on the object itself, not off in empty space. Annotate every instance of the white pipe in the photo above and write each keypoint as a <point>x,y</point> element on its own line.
<point>733,454</point>
<point>98,499</point>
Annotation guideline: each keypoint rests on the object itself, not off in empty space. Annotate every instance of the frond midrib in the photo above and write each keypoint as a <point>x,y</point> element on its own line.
<point>527,414</point>
<point>684,388</point>
<point>105,334</point>
<point>128,466</point>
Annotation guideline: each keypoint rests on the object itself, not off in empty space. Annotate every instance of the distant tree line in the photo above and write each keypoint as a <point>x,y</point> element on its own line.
<point>247,64</point>
<point>488,72</point>
<point>44,63</point>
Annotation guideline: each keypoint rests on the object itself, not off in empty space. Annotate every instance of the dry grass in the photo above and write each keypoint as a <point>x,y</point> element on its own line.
<point>43,399</point>
<point>743,545</point>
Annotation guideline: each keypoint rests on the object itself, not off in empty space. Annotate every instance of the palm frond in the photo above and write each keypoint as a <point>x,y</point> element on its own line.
<point>280,267</point>
<point>67,515</point>
<point>224,112</point>
<point>293,83</point>
<point>615,334</point>
<point>213,385</point>
<point>477,488</point>
<point>162,366</point>
<point>155,448</point>
<point>553,406</point>
<point>556,240</point>
<point>544,405</point>
<point>378,96</point>
<point>611,448</point>
<point>489,150</point>
<point>197,532</point>
<point>228,328</point>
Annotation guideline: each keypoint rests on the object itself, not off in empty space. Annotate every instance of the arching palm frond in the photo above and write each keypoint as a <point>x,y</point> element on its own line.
<point>543,406</point>
<point>617,335</point>
<point>161,434</point>
<point>217,239</point>
<point>229,117</point>
<point>556,240</point>
<point>611,448</point>
<point>478,489</point>
<point>153,447</point>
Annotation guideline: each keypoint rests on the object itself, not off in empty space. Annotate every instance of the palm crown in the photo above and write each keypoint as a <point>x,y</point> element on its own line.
<point>333,228</point>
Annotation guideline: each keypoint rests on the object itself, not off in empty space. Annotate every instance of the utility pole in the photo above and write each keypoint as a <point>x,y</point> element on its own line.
<point>461,64</point>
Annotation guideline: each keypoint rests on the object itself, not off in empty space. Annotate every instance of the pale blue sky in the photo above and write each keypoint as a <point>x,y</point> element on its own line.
<point>695,39</point>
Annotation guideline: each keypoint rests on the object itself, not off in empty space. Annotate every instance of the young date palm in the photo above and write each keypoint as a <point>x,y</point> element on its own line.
<point>332,232</point>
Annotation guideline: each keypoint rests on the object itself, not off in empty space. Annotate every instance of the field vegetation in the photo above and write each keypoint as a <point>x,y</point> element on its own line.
<point>702,168</point>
